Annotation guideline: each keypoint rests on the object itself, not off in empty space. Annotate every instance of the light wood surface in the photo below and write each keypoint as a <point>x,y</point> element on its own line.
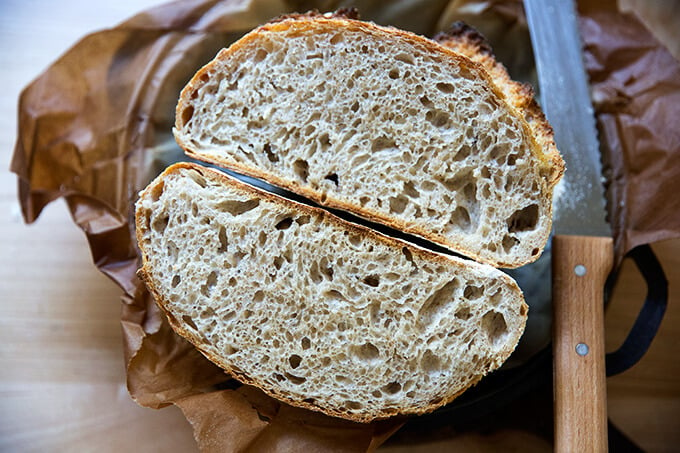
<point>62,377</point>
<point>580,267</point>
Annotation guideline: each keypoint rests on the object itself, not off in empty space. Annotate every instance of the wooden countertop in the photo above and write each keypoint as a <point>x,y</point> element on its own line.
<point>62,377</point>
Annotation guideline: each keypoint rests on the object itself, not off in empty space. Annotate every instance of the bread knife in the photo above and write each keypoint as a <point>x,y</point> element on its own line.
<point>582,246</point>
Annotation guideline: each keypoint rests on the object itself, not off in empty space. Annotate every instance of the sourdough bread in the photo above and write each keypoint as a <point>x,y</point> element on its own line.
<point>316,311</point>
<point>390,126</point>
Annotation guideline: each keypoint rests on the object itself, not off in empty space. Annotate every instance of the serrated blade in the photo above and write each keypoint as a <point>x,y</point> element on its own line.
<point>565,98</point>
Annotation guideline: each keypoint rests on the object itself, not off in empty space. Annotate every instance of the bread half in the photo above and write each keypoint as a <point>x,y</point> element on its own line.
<point>316,311</point>
<point>390,126</point>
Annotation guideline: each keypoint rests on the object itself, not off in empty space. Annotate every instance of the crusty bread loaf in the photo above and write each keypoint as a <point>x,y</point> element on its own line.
<point>388,125</point>
<point>316,311</point>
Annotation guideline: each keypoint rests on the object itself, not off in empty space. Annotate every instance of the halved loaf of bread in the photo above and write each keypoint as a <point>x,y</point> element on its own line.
<point>316,311</point>
<point>390,126</point>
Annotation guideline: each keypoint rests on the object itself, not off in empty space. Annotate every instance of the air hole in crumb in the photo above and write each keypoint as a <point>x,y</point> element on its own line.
<point>324,141</point>
<point>271,156</point>
<point>157,191</point>
<point>189,322</point>
<point>326,269</point>
<point>382,143</point>
<point>427,103</point>
<point>284,224</point>
<point>461,218</point>
<point>306,343</point>
<point>355,106</point>
<point>301,169</point>
<point>410,190</point>
<point>294,361</point>
<point>494,325</point>
<point>364,200</point>
<point>353,405</point>
<point>205,77</point>
<point>260,55</point>
<point>445,87</point>
<point>523,219</point>
<point>462,153</point>
<point>334,295</point>
<point>173,251</point>
<point>175,281</point>
<point>297,380</point>
<point>404,58</point>
<point>160,223</point>
<point>512,159</point>
<point>398,204</point>
<point>535,252</point>
<point>314,272</point>
<point>496,297</point>
<point>463,313</point>
<point>229,315</point>
<point>376,393</point>
<point>366,351</point>
<point>430,362</point>
<point>236,207</point>
<point>258,296</point>
<point>332,177</point>
<point>222,237</point>
<point>470,191</point>
<point>337,38</point>
<point>407,254</point>
<point>435,305</point>
<point>210,283</point>
<point>354,239</point>
<point>187,114</point>
<point>392,388</point>
<point>372,280</point>
<point>472,292</point>
<point>508,243</point>
<point>278,262</point>
<point>393,74</point>
<point>436,117</point>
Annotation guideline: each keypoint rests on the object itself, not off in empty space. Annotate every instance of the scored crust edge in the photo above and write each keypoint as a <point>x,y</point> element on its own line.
<point>144,274</point>
<point>550,162</point>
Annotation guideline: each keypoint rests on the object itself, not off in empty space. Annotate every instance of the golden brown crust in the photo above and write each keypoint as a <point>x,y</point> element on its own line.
<point>531,117</point>
<point>345,13</point>
<point>144,275</point>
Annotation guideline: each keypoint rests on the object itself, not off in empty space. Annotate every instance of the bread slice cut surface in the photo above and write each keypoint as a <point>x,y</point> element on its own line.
<point>316,311</point>
<point>385,124</point>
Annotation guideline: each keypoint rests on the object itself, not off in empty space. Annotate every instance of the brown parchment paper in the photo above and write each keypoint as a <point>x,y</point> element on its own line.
<point>635,86</point>
<point>95,127</point>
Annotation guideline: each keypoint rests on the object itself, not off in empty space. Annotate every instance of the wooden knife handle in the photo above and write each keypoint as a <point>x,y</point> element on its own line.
<point>580,266</point>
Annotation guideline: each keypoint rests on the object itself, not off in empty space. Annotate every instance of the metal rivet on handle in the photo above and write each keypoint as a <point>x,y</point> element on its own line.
<point>582,349</point>
<point>580,270</point>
